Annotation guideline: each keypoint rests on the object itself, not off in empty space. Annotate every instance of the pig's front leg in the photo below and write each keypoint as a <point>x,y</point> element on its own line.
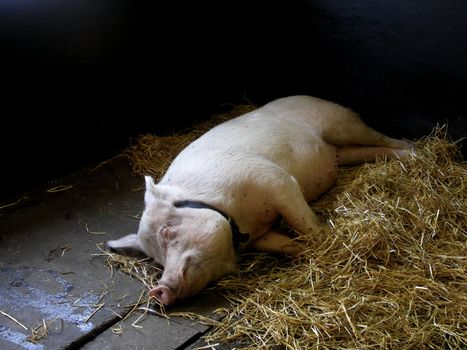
<point>277,242</point>
<point>292,205</point>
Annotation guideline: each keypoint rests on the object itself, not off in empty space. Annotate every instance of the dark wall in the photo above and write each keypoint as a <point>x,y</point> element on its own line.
<point>81,78</point>
<point>403,64</point>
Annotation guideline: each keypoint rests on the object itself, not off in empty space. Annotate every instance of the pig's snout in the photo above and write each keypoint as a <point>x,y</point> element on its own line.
<point>163,294</point>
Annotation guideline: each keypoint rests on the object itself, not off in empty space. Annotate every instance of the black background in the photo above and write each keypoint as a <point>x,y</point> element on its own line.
<point>83,78</point>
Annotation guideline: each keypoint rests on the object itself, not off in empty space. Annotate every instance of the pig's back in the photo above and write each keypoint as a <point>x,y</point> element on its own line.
<point>229,151</point>
<point>275,125</point>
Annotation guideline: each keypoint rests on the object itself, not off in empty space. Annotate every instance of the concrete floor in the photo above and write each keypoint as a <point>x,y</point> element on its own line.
<point>48,270</point>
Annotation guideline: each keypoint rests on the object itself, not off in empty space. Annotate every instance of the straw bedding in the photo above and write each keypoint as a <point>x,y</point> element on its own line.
<point>391,273</point>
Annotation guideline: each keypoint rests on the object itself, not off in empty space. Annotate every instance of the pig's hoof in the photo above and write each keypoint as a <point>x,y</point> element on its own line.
<point>110,247</point>
<point>294,249</point>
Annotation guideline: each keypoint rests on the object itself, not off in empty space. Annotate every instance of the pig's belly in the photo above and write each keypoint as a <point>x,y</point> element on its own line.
<point>313,164</point>
<point>321,177</point>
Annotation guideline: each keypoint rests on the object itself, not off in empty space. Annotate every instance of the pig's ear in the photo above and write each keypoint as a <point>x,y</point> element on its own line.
<point>150,189</point>
<point>150,185</point>
<point>130,241</point>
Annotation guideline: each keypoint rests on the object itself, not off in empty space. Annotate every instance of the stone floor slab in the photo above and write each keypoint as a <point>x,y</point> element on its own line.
<point>51,271</point>
<point>150,333</point>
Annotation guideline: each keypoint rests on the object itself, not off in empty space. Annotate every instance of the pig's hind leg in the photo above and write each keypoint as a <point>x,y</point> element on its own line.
<point>357,143</point>
<point>352,155</point>
<point>347,128</point>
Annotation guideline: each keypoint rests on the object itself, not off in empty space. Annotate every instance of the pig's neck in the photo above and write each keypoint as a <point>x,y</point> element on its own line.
<point>182,198</point>
<point>238,238</point>
<point>184,190</point>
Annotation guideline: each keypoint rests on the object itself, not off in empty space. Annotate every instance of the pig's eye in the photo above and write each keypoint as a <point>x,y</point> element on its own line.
<point>190,263</point>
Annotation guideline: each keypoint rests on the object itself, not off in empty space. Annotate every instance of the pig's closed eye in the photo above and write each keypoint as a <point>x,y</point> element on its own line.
<point>190,263</point>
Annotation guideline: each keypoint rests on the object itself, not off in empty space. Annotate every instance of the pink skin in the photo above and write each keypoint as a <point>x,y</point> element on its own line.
<point>187,269</point>
<point>266,164</point>
<point>163,294</point>
<point>194,245</point>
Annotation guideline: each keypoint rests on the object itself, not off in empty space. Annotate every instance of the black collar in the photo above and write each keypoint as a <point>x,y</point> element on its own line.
<point>237,236</point>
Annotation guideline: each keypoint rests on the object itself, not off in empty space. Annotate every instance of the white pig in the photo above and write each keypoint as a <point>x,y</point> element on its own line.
<point>226,189</point>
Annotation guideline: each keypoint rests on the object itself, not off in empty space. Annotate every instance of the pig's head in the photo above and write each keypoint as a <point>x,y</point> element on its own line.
<point>194,246</point>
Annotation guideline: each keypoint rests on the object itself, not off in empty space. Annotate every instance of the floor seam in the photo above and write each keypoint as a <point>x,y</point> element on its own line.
<point>91,335</point>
